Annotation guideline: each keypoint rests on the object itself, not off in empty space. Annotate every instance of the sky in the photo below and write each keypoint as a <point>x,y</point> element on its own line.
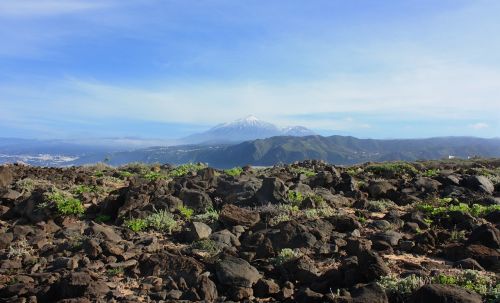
<point>169,68</point>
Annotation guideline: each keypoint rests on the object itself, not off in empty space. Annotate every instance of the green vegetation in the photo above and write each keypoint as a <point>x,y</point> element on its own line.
<point>162,221</point>
<point>184,169</point>
<point>457,235</point>
<point>475,210</point>
<point>279,218</point>
<point>153,176</point>
<point>430,173</point>
<point>401,286</point>
<point>99,174</point>
<point>125,174</point>
<point>26,185</point>
<point>235,171</point>
<point>483,283</point>
<point>81,189</point>
<point>210,216</point>
<point>318,201</point>
<point>303,171</point>
<point>473,280</point>
<point>118,271</point>
<point>186,212</point>
<point>65,204</point>
<point>206,245</point>
<point>102,218</point>
<point>295,197</point>
<point>379,205</point>
<point>136,225</point>
<point>392,168</point>
<point>285,255</point>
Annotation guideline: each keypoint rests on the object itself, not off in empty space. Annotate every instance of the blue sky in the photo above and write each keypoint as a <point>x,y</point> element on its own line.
<point>165,69</point>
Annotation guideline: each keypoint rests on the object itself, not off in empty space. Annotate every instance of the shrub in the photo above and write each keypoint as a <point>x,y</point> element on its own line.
<point>66,205</point>
<point>392,168</point>
<point>118,271</point>
<point>295,197</point>
<point>153,176</point>
<point>206,245</point>
<point>162,221</point>
<point>285,255</point>
<point>136,225</point>
<point>20,248</point>
<point>26,185</point>
<point>430,173</point>
<point>303,171</point>
<point>102,218</point>
<point>318,200</point>
<point>81,189</point>
<point>211,215</point>
<point>186,212</point>
<point>184,169</point>
<point>379,205</point>
<point>125,174</point>
<point>279,218</point>
<point>235,171</point>
<point>401,286</point>
<point>473,280</point>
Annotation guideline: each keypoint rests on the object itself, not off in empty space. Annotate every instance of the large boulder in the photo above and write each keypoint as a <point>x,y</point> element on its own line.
<point>380,189</point>
<point>234,215</point>
<point>437,293</point>
<point>487,235</point>
<point>479,183</point>
<point>6,177</point>
<point>236,272</point>
<point>196,199</point>
<point>372,293</point>
<point>273,191</point>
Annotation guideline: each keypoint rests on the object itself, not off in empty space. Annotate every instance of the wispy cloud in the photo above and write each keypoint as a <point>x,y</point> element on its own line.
<point>46,8</point>
<point>479,125</point>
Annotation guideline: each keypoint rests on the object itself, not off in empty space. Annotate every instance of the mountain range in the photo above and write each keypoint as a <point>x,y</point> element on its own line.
<point>244,141</point>
<point>246,129</point>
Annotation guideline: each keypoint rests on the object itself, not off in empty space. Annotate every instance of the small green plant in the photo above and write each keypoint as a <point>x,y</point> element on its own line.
<point>117,271</point>
<point>401,286</point>
<point>379,205</point>
<point>162,221</point>
<point>65,204</point>
<point>136,225</point>
<point>353,172</point>
<point>186,212</point>
<point>207,245</point>
<point>285,255</point>
<point>125,174</point>
<point>430,173</point>
<point>81,189</point>
<point>102,218</point>
<point>295,197</point>
<point>303,171</point>
<point>20,248</point>
<point>184,169</point>
<point>457,235</point>
<point>26,185</point>
<point>392,168</point>
<point>279,218</point>
<point>311,213</point>
<point>318,201</point>
<point>235,171</point>
<point>153,176</point>
<point>210,216</point>
<point>99,174</point>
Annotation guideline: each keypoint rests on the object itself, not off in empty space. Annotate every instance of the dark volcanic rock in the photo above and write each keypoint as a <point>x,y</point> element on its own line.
<point>236,272</point>
<point>273,191</point>
<point>234,215</point>
<point>444,294</point>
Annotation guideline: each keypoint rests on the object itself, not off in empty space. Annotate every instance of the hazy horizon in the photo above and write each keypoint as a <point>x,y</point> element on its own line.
<point>168,69</point>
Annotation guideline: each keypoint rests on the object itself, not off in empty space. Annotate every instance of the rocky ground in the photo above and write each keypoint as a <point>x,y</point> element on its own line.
<point>307,232</point>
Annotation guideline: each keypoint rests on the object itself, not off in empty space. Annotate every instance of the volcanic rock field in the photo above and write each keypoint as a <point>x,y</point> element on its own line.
<point>306,232</point>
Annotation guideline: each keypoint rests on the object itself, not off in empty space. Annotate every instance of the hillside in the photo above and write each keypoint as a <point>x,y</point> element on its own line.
<point>334,149</point>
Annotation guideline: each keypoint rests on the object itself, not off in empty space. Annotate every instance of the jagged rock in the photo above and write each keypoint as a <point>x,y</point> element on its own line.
<point>372,293</point>
<point>443,294</point>
<point>234,215</point>
<point>6,177</point>
<point>196,199</point>
<point>302,269</point>
<point>308,296</point>
<point>207,289</point>
<point>479,183</point>
<point>380,189</point>
<point>198,231</point>
<point>265,288</point>
<point>236,272</point>
<point>487,235</point>
<point>273,191</point>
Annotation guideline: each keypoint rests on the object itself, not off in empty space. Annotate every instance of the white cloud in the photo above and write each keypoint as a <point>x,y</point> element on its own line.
<point>479,125</point>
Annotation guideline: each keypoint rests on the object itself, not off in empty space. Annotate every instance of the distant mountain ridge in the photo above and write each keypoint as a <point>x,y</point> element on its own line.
<point>287,149</point>
<point>246,129</point>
